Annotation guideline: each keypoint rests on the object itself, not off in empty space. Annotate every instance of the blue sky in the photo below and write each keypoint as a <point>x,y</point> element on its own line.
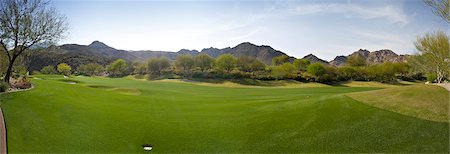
<point>324,28</point>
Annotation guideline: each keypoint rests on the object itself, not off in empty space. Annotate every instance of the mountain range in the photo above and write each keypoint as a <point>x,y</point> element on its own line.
<point>98,52</point>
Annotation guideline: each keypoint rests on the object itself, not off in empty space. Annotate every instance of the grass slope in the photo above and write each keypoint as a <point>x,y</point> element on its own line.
<point>247,83</point>
<point>90,117</point>
<point>423,101</point>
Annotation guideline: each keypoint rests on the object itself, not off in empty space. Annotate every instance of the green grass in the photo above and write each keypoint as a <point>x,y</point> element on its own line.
<point>424,101</point>
<point>180,117</point>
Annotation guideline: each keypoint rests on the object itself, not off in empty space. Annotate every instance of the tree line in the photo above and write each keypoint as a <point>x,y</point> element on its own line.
<point>228,66</point>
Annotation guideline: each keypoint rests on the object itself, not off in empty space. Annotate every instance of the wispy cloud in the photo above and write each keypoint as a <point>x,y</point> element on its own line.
<point>389,12</point>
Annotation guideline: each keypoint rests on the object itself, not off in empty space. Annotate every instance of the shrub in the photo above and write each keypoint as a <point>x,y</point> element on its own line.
<point>64,68</point>
<point>48,70</point>
<point>316,70</point>
<point>90,69</point>
<point>157,66</point>
<point>3,86</point>
<point>21,83</point>
<point>226,62</point>
<point>431,77</point>
<point>118,68</point>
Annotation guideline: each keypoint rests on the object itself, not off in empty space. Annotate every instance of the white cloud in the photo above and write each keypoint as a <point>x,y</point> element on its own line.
<point>389,12</point>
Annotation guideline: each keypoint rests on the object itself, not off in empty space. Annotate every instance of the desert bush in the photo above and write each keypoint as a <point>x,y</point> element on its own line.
<point>431,77</point>
<point>48,70</point>
<point>118,68</point>
<point>21,83</point>
<point>64,68</point>
<point>3,86</point>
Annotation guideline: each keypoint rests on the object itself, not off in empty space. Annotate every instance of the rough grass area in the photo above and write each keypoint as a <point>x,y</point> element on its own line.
<point>247,83</point>
<point>127,91</point>
<point>188,118</point>
<point>422,101</point>
<point>370,84</point>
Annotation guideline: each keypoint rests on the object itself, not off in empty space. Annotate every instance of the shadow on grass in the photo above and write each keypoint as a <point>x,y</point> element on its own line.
<point>69,81</point>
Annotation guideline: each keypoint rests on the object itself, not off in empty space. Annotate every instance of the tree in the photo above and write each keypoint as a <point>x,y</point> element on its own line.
<point>157,65</point>
<point>434,55</point>
<point>50,69</point>
<point>185,62</point>
<point>285,70</point>
<point>317,70</point>
<point>204,62</point>
<point>257,65</point>
<point>243,63</point>
<point>441,8</point>
<point>226,62</point>
<point>118,68</point>
<point>64,69</point>
<point>280,60</point>
<point>90,69</point>
<point>356,61</point>
<point>301,64</point>
<point>140,69</point>
<point>24,23</point>
<point>249,64</point>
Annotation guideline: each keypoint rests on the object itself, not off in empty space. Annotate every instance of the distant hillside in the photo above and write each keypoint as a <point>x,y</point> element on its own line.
<point>263,53</point>
<point>314,59</point>
<point>374,57</point>
<point>98,52</point>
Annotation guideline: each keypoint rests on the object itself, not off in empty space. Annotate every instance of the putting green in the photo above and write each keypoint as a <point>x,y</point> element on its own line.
<point>179,117</point>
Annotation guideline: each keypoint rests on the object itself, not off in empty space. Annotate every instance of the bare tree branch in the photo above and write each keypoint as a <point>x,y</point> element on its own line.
<point>24,23</point>
<point>441,8</point>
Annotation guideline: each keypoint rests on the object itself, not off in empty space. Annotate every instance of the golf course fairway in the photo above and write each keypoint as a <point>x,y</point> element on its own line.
<point>94,114</point>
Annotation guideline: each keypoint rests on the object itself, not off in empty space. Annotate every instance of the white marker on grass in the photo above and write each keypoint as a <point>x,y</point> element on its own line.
<point>147,147</point>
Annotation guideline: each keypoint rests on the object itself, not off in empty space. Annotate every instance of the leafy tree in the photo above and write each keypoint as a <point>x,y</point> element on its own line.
<point>316,70</point>
<point>50,69</point>
<point>19,71</point>
<point>285,70</point>
<point>185,62</point>
<point>118,68</point>
<point>249,64</point>
<point>25,23</point>
<point>301,64</point>
<point>356,61</point>
<point>280,60</point>
<point>257,65</point>
<point>434,55</point>
<point>64,69</point>
<point>386,72</point>
<point>140,69</point>
<point>204,62</point>
<point>157,65</point>
<point>348,73</point>
<point>441,8</point>
<point>226,62</point>
<point>90,69</point>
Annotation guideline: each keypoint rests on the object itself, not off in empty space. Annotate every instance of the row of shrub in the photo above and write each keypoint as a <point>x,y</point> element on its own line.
<point>227,66</point>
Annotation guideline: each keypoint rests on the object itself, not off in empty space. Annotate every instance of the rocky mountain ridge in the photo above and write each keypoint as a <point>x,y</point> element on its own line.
<point>98,52</point>
<point>375,57</point>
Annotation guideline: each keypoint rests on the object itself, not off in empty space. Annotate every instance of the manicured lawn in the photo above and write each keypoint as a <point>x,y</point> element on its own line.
<point>119,115</point>
<point>424,101</point>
